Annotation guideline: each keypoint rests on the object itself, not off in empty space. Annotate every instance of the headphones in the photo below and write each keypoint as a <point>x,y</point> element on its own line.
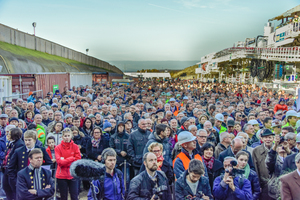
<point>103,155</point>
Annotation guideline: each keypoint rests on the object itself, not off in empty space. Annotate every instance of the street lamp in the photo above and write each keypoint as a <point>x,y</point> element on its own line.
<point>34,25</point>
<point>87,51</point>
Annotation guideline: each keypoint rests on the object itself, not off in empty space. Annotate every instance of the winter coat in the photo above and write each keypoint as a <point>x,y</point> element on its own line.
<point>2,149</point>
<point>216,171</point>
<point>228,152</point>
<point>178,164</point>
<point>183,190</point>
<point>109,187</point>
<point>274,165</point>
<point>280,107</point>
<point>253,178</point>
<point>81,140</point>
<point>94,152</point>
<point>222,191</point>
<point>259,157</point>
<point>141,187</point>
<point>66,154</point>
<point>219,149</point>
<point>153,137</point>
<point>118,142</point>
<point>135,147</point>
<point>289,164</point>
<point>166,168</point>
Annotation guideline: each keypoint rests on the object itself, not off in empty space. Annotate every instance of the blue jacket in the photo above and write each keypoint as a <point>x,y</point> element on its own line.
<point>182,189</point>
<point>109,187</point>
<point>2,149</point>
<point>222,191</point>
<point>31,99</point>
<point>178,165</point>
<point>253,178</point>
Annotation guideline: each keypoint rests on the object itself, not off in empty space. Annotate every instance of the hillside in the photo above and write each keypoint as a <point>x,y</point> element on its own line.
<point>16,59</point>
<point>189,71</point>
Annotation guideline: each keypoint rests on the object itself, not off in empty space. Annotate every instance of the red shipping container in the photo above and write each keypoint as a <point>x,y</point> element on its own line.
<point>46,82</point>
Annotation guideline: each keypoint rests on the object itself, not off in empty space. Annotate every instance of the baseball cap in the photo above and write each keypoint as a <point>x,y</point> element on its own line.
<point>185,137</point>
<point>3,116</point>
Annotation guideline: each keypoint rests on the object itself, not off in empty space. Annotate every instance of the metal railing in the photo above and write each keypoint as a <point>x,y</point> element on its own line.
<point>24,96</point>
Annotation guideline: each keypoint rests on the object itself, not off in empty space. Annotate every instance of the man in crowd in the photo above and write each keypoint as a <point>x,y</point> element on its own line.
<point>145,185</point>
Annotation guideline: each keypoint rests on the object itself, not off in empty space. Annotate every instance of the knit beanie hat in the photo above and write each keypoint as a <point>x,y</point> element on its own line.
<point>106,124</point>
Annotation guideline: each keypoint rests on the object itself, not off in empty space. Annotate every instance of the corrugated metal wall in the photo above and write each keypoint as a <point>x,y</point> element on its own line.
<point>46,82</point>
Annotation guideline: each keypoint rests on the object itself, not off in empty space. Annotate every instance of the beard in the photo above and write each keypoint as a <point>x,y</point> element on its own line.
<point>153,168</point>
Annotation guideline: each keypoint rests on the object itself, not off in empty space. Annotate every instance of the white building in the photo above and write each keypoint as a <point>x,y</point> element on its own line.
<point>149,75</point>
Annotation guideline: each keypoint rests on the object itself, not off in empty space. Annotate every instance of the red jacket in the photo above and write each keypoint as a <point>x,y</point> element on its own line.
<point>280,107</point>
<point>49,152</point>
<point>69,152</point>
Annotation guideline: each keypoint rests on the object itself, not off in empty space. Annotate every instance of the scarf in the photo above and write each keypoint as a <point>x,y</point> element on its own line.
<point>29,120</point>
<point>36,177</point>
<point>209,163</point>
<point>247,171</point>
<point>95,143</point>
<point>160,161</point>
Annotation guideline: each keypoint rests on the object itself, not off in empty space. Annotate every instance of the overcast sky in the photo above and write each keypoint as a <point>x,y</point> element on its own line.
<point>143,30</point>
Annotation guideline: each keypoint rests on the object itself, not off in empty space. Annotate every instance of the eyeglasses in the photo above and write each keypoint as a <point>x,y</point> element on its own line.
<point>157,151</point>
<point>97,132</point>
<point>201,136</point>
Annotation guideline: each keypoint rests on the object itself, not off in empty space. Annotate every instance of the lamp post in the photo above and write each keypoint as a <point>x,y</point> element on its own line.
<point>87,51</point>
<point>34,25</point>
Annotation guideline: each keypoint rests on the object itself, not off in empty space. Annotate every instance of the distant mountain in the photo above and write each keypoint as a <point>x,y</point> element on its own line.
<point>133,66</point>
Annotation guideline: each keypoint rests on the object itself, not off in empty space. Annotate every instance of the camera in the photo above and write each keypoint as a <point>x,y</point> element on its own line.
<point>234,171</point>
<point>158,191</point>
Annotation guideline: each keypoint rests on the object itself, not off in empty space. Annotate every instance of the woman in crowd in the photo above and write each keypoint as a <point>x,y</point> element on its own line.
<point>28,116</point>
<point>171,137</point>
<point>202,119</point>
<point>242,158</point>
<point>56,132</point>
<point>163,165</point>
<point>87,127</point>
<point>213,165</point>
<point>96,145</point>
<point>80,139</point>
<point>66,153</point>
<point>14,137</point>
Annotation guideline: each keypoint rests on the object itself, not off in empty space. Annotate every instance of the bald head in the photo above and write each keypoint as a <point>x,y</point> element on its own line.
<point>236,145</point>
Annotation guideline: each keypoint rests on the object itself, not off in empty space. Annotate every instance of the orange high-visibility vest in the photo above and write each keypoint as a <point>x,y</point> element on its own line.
<point>185,160</point>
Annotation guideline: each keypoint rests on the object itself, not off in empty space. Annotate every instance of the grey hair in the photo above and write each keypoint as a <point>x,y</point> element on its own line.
<point>59,113</point>
<point>239,134</point>
<point>233,141</point>
<point>297,158</point>
<point>108,152</point>
<point>147,115</point>
<point>126,115</point>
<point>180,114</point>
<point>167,105</point>
<point>113,107</point>
<point>229,158</point>
<point>192,118</point>
<point>140,121</point>
<point>169,112</point>
<point>290,136</point>
<point>223,135</point>
<point>201,130</point>
<point>195,110</point>
<point>192,126</point>
<point>9,127</point>
<point>86,104</point>
<point>246,126</point>
<point>207,122</point>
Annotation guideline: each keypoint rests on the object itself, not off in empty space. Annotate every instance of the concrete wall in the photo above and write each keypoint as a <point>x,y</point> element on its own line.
<point>16,37</point>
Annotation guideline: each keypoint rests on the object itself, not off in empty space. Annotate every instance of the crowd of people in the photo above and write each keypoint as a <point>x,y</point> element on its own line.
<point>158,139</point>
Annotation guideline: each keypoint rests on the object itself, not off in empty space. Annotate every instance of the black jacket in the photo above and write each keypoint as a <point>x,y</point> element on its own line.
<point>228,152</point>
<point>94,152</point>
<point>118,142</point>
<point>82,140</point>
<point>141,187</point>
<point>289,164</point>
<point>135,147</point>
<point>183,190</point>
<point>13,146</point>
<point>216,171</point>
<point>19,161</point>
<point>166,168</point>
